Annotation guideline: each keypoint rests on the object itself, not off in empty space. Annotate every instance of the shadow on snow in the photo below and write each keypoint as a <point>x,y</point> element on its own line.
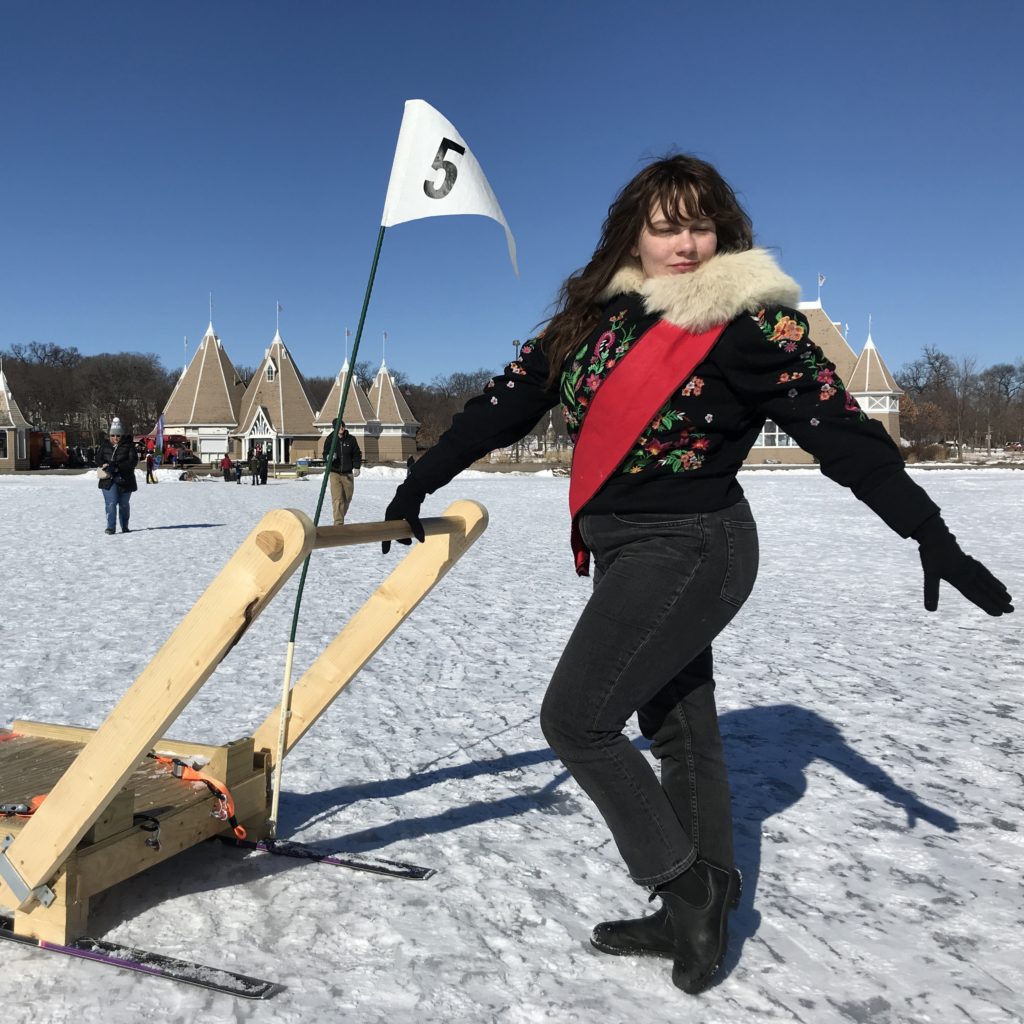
<point>768,749</point>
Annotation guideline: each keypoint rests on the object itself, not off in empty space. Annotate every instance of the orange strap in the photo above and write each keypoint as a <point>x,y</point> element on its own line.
<point>225,803</point>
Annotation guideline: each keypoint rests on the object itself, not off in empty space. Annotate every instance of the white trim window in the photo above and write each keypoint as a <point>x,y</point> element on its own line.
<point>773,436</point>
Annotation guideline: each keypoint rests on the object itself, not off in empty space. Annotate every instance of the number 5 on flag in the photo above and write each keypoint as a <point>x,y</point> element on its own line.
<point>429,147</point>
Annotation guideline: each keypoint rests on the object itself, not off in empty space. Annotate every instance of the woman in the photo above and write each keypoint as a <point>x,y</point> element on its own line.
<point>117,458</point>
<point>668,352</point>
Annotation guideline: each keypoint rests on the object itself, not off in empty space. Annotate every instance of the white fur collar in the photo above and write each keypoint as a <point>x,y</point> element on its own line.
<point>728,284</point>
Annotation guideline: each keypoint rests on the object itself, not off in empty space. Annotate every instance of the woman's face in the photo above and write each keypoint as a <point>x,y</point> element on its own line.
<point>675,246</point>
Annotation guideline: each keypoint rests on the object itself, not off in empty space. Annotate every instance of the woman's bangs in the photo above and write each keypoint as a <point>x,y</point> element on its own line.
<point>680,202</point>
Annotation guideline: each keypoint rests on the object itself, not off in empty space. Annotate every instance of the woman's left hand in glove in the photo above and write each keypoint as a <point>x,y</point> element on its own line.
<point>943,559</point>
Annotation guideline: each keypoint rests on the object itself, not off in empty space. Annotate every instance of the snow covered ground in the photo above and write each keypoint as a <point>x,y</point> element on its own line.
<point>875,753</point>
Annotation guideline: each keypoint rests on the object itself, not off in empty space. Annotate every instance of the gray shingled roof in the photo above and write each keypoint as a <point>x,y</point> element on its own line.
<point>284,398</point>
<point>209,392</point>
<point>871,375</point>
<point>387,402</point>
<point>357,410</point>
<point>10,414</point>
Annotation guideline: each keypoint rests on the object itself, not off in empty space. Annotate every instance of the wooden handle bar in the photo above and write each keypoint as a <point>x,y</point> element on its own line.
<point>393,529</point>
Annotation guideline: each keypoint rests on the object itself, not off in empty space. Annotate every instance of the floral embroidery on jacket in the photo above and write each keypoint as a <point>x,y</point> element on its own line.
<point>669,441</point>
<point>586,373</point>
<point>791,336</point>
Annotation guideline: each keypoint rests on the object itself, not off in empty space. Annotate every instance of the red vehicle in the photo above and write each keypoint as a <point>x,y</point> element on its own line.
<point>47,449</point>
<point>177,448</point>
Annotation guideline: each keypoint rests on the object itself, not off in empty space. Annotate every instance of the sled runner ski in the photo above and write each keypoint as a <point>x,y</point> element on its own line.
<point>110,809</point>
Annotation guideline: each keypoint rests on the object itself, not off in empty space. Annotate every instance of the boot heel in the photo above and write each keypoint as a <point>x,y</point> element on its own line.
<point>734,900</point>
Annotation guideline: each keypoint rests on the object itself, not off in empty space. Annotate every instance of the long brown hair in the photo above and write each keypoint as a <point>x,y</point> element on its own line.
<point>679,185</point>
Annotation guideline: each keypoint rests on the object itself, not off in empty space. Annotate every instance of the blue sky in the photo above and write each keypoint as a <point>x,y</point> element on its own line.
<point>155,152</point>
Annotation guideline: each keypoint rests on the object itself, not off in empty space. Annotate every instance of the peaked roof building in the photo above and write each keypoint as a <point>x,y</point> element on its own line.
<point>357,411</point>
<point>276,411</point>
<point>14,431</point>
<point>398,425</point>
<point>357,415</point>
<point>208,393</point>
<point>871,376</point>
<point>873,386</point>
<point>10,414</point>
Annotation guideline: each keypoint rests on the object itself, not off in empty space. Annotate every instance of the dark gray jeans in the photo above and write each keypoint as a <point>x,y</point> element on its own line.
<point>665,586</point>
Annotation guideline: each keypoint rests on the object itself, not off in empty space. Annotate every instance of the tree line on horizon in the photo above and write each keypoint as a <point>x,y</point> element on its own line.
<point>945,399</point>
<point>58,388</point>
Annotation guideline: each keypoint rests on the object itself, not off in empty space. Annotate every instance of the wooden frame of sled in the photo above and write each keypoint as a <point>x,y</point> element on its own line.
<point>104,792</point>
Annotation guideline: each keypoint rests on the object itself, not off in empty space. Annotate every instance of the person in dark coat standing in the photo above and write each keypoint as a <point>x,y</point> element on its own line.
<point>150,464</point>
<point>264,466</point>
<point>117,458</point>
<point>254,467</point>
<point>344,467</point>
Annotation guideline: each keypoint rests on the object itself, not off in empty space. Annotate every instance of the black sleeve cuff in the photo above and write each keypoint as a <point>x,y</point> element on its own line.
<point>933,531</point>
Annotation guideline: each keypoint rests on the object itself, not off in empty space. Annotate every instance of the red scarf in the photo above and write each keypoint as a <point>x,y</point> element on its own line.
<point>623,407</point>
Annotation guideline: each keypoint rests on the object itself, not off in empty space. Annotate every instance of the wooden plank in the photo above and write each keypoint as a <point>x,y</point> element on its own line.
<point>30,766</point>
<point>49,731</point>
<point>105,864</point>
<point>63,921</point>
<point>257,570</point>
<point>117,816</point>
<point>392,529</point>
<point>413,578</point>
<point>227,762</point>
<point>94,869</point>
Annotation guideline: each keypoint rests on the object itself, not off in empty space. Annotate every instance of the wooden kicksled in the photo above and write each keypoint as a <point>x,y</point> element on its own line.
<point>112,810</point>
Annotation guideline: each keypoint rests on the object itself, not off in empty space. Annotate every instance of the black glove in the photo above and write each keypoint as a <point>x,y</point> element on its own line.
<point>406,505</point>
<point>942,559</point>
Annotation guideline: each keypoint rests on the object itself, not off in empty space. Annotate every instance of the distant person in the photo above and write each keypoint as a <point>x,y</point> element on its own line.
<point>254,467</point>
<point>264,467</point>
<point>225,467</point>
<point>117,459</point>
<point>344,467</point>
<point>668,352</point>
<point>150,466</point>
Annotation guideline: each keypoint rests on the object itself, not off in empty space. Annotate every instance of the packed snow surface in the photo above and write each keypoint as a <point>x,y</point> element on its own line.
<point>875,752</point>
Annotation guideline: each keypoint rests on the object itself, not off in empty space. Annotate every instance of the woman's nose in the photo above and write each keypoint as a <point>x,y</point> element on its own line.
<point>685,243</point>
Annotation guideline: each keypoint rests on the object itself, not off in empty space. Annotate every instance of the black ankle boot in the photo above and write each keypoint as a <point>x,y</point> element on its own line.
<point>651,935</point>
<point>641,936</point>
<point>700,933</point>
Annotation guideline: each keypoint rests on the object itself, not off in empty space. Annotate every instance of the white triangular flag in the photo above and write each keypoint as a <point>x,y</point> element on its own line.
<point>435,174</point>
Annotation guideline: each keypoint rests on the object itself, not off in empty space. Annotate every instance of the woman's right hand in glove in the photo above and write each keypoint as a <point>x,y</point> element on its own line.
<point>406,505</point>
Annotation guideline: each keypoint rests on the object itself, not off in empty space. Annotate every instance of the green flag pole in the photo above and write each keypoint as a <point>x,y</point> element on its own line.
<point>286,688</point>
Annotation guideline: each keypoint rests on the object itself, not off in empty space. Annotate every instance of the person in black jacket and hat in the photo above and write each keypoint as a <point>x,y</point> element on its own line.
<point>117,459</point>
<point>344,467</point>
